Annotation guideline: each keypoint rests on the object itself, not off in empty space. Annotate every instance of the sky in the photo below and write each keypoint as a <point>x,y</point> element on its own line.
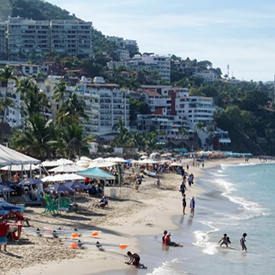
<point>238,33</point>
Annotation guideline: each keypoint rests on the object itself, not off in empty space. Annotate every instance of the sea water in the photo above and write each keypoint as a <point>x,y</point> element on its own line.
<point>238,199</point>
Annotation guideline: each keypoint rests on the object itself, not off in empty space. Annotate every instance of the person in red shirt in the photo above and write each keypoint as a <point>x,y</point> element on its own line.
<point>167,241</point>
<point>3,235</point>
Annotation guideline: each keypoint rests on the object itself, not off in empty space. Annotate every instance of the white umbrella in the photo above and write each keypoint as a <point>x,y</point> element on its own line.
<point>63,177</point>
<point>50,163</point>
<point>176,164</point>
<point>64,161</point>
<point>83,163</point>
<point>85,159</point>
<point>116,159</point>
<point>97,159</point>
<point>102,164</point>
<point>67,168</point>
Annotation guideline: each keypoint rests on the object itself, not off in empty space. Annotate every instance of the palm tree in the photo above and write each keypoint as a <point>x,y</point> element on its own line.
<point>138,141</point>
<point>72,140</point>
<point>4,105</point>
<point>37,139</point>
<point>123,137</point>
<point>60,91</point>
<point>71,111</point>
<point>5,76</point>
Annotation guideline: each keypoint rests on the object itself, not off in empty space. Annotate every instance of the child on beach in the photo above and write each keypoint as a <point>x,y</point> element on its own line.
<point>192,206</point>
<point>224,240</point>
<point>242,242</point>
<point>134,260</point>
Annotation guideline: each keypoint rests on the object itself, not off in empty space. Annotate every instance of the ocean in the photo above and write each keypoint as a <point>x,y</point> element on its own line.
<point>238,199</point>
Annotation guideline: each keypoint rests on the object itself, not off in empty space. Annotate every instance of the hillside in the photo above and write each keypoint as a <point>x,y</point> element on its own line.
<point>34,9</point>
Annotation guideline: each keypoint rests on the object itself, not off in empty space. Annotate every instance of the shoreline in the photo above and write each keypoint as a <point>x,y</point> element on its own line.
<point>149,221</point>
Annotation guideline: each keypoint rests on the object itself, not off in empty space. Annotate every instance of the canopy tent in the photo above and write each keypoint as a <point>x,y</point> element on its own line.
<point>25,167</point>
<point>9,157</point>
<point>96,173</point>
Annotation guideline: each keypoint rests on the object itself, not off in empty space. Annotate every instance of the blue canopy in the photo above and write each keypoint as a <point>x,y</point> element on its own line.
<point>96,173</point>
<point>76,185</point>
<point>127,161</point>
<point>59,188</point>
<point>30,181</point>
<point>6,208</point>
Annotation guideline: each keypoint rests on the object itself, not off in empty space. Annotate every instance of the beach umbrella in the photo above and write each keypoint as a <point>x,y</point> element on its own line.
<point>59,188</point>
<point>30,181</point>
<point>4,188</point>
<point>63,161</point>
<point>8,184</point>
<point>127,161</point>
<point>51,163</point>
<point>67,168</point>
<point>76,185</point>
<point>5,206</point>
<point>48,179</point>
<point>101,164</point>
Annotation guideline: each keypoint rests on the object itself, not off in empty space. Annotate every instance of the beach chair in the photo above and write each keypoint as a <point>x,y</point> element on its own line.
<point>51,206</point>
<point>63,204</point>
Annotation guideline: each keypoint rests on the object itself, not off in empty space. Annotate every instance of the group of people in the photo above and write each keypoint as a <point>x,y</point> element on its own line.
<point>225,240</point>
<point>182,190</point>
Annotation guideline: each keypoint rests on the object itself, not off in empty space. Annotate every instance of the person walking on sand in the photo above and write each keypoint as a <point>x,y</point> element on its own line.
<point>192,206</point>
<point>182,188</point>
<point>183,203</point>
<point>3,235</point>
<point>158,183</point>
<point>242,242</point>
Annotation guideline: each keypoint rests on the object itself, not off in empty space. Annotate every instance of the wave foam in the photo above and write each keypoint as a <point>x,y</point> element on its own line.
<point>169,268</point>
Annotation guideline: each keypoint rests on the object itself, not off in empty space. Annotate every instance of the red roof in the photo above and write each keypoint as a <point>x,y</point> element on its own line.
<point>158,111</point>
<point>151,92</point>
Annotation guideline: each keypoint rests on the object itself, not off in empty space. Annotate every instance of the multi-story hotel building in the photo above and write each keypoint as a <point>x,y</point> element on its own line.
<point>3,42</point>
<point>25,37</point>
<point>71,37</point>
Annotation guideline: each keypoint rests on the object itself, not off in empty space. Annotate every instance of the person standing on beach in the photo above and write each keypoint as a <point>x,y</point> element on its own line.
<point>242,242</point>
<point>3,235</point>
<point>158,183</point>
<point>182,188</point>
<point>183,203</point>
<point>192,206</point>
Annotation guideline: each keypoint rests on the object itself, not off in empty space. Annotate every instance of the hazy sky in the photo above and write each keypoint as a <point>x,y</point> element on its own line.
<point>238,33</point>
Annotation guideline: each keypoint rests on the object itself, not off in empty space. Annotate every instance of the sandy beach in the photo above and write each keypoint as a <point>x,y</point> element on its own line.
<point>128,215</point>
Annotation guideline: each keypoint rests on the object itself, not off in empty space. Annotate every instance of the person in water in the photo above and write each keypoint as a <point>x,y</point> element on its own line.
<point>167,241</point>
<point>224,240</point>
<point>242,242</point>
<point>134,260</point>
<point>164,234</point>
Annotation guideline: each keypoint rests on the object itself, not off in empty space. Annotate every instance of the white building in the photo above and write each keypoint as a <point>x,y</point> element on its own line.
<point>207,76</point>
<point>26,37</point>
<point>113,104</point>
<point>12,115</point>
<point>3,42</point>
<point>71,37</point>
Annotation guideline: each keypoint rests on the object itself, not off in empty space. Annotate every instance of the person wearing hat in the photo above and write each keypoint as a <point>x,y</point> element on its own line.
<point>167,240</point>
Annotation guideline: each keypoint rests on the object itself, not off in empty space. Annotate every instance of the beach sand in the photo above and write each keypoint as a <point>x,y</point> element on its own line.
<point>128,215</point>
